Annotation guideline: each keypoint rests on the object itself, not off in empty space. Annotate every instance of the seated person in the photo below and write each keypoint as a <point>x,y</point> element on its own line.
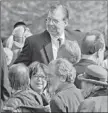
<point>23,96</point>
<point>95,89</point>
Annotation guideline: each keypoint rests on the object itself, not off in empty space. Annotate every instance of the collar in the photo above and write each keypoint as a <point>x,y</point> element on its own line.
<point>62,37</point>
<point>64,86</point>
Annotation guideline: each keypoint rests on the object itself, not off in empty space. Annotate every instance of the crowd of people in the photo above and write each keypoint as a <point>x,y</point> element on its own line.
<point>58,70</point>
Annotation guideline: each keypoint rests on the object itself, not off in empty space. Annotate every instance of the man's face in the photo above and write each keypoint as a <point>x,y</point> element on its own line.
<point>55,23</point>
<point>53,80</point>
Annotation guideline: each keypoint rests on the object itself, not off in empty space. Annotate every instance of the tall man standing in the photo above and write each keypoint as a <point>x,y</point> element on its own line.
<point>43,47</point>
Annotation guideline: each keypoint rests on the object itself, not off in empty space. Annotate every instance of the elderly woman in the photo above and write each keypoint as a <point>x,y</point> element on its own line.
<point>94,85</point>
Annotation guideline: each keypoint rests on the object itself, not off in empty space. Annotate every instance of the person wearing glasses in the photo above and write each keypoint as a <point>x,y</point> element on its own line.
<point>43,47</point>
<point>27,88</point>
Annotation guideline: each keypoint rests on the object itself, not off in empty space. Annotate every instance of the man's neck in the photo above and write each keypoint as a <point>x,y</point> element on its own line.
<point>62,36</point>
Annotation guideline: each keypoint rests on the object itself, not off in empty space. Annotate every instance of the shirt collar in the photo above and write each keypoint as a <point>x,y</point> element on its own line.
<point>55,39</point>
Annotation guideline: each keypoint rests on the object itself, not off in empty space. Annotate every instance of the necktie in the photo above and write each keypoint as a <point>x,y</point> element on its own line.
<point>59,41</point>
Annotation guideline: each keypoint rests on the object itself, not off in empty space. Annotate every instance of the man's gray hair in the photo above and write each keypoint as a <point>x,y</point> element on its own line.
<point>73,49</point>
<point>65,69</point>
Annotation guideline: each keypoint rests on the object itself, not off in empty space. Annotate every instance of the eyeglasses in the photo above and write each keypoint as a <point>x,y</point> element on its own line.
<point>54,21</point>
<point>39,76</point>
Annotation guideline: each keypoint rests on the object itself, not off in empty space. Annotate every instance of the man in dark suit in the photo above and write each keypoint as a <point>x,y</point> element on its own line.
<point>43,47</point>
<point>66,96</point>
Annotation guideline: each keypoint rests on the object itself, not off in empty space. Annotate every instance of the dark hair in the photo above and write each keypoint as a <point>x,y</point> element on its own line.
<point>36,66</point>
<point>88,46</point>
<point>19,23</point>
<point>19,76</point>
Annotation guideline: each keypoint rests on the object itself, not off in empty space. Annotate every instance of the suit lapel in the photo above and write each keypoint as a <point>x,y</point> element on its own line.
<point>48,47</point>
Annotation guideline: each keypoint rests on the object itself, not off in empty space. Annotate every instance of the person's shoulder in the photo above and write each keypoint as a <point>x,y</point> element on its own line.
<point>87,103</point>
<point>70,31</point>
<point>39,38</point>
<point>12,103</point>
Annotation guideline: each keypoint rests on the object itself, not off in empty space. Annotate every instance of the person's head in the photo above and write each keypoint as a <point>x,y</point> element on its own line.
<point>19,76</point>
<point>70,50</point>
<point>93,44</point>
<point>38,76</point>
<point>57,20</point>
<point>60,71</point>
<point>94,77</point>
<point>20,32</point>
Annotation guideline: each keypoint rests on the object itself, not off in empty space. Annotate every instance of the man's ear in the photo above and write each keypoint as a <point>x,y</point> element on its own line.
<point>66,22</point>
<point>62,79</point>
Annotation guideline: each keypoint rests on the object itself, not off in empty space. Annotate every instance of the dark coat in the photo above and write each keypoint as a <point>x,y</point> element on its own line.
<point>26,99</point>
<point>96,102</point>
<point>38,47</point>
<point>4,81</point>
<point>67,99</point>
<point>80,68</point>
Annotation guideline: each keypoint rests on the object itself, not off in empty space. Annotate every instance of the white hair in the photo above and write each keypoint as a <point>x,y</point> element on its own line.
<point>64,68</point>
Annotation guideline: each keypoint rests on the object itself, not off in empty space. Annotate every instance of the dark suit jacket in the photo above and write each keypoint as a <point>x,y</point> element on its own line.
<point>66,100</point>
<point>38,47</point>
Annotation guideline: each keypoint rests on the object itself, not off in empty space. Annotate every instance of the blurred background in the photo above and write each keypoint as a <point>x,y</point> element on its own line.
<point>84,15</point>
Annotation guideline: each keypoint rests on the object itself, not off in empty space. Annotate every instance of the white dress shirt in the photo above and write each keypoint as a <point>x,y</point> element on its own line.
<point>55,44</point>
